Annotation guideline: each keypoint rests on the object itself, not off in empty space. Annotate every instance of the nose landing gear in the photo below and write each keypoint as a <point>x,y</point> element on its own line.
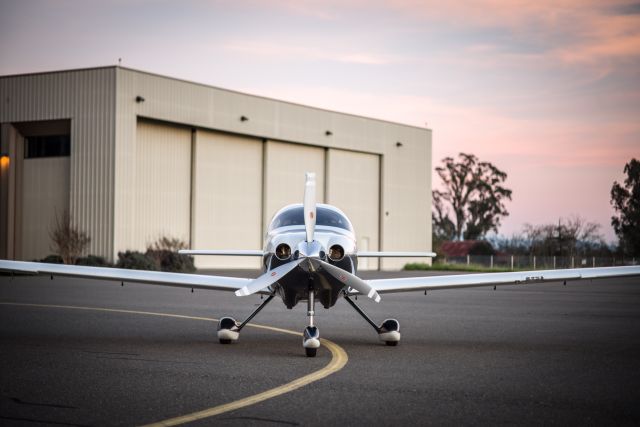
<point>311,334</point>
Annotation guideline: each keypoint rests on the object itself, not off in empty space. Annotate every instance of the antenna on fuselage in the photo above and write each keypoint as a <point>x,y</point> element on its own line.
<point>310,205</point>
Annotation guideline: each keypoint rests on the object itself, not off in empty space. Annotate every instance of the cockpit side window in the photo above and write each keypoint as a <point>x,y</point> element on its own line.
<point>295,216</point>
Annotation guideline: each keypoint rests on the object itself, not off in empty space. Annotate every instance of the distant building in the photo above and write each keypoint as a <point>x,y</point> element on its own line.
<point>133,156</point>
<point>454,249</point>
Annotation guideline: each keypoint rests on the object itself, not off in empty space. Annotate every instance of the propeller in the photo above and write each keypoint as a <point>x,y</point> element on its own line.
<point>348,279</point>
<point>309,255</point>
<point>268,278</point>
<point>310,205</point>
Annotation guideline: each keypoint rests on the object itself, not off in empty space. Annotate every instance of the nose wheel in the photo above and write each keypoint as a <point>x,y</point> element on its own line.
<point>311,334</point>
<point>311,340</point>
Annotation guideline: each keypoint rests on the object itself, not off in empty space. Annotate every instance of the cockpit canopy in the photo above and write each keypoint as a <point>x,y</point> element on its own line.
<point>325,216</point>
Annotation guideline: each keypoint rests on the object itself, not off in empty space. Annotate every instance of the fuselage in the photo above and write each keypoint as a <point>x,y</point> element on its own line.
<point>334,242</point>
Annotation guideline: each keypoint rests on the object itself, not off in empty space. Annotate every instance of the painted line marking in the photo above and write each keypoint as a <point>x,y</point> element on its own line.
<point>338,360</point>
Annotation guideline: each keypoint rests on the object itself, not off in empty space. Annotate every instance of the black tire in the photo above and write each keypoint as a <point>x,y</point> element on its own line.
<point>222,341</point>
<point>391,343</point>
<point>311,352</point>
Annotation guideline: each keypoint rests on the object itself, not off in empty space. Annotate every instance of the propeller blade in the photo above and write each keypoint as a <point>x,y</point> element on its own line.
<point>310,205</point>
<point>268,278</point>
<point>348,279</point>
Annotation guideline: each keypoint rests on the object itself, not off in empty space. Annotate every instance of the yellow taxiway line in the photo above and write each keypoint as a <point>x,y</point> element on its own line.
<point>339,358</point>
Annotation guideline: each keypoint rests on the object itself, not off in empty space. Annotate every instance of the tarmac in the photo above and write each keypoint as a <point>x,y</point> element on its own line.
<point>526,355</point>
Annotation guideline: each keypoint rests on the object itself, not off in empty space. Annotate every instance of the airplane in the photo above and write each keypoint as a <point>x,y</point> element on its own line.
<point>310,255</point>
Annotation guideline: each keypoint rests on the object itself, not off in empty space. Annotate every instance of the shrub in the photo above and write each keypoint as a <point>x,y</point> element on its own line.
<point>164,253</point>
<point>482,247</point>
<point>135,260</point>
<point>68,241</point>
<point>175,262</point>
<point>52,259</point>
<point>93,261</point>
<point>161,255</point>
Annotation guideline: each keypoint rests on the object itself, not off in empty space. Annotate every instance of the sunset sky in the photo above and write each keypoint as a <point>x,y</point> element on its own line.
<point>550,93</point>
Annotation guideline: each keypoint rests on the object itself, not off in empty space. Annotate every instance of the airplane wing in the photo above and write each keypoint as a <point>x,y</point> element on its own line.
<point>235,252</point>
<point>371,254</point>
<point>408,284</point>
<point>198,281</point>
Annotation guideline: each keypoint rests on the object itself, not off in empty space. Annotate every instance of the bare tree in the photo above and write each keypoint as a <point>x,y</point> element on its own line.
<point>572,236</point>
<point>68,241</point>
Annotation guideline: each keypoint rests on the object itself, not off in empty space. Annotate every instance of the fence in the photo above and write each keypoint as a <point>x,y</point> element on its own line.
<point>524,262</point>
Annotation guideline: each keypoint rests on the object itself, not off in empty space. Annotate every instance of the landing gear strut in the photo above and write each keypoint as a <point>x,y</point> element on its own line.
<point>388,331</point>
<point>229,329</point>
<point>311,334</point>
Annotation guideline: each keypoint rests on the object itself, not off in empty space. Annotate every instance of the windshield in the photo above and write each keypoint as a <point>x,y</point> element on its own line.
<point>295,216</point>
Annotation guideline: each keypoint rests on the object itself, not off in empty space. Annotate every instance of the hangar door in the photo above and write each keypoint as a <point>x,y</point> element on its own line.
<point>162,184</point>
<point>227,198</point>
<point>353,185</point>
<point>45,200</point>
<point>42,160</point>
<point>285,166</point>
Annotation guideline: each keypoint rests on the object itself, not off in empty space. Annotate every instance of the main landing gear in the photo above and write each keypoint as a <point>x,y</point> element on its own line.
<point>229,329</point>
<point>388,331</point>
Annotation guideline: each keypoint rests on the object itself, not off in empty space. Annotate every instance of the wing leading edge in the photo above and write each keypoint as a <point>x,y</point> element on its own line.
<point>198,281</point>
<point>235,252</point>
<point>454,281</point>
<point>375,254</point>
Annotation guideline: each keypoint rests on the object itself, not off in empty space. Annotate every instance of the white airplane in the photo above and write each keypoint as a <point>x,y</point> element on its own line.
<point>310,254</point>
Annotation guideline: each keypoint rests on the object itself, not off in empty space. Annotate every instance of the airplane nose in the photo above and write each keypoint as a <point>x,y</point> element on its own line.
<point>311,250</point>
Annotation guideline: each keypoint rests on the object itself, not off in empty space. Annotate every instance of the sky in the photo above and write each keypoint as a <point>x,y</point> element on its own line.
<point>549,92</point>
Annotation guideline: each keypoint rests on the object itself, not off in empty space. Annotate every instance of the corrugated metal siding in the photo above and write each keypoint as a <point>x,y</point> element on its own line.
<point>162,185</point>
<point>406,194</point>
<point>227,198</point>
<point>209,107</point>
<point>87,97</point>
<point>45,189</point>
<point>285,166</point>
<point>103,160</point>
<point>353,184</point>
<point>405,172</point>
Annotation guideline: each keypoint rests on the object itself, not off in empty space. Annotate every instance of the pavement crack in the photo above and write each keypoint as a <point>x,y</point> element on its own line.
<point>49,422</point>
<point>50,405</point>
<point>147,360</point>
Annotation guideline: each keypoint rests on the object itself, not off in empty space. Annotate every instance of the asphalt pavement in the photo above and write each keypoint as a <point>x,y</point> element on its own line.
<point>526,355</point>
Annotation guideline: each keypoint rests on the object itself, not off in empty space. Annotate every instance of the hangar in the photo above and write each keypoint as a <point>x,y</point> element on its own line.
<point>133,156</point>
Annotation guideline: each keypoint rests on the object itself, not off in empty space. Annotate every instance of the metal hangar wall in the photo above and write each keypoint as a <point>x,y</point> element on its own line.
<point>133,156</point>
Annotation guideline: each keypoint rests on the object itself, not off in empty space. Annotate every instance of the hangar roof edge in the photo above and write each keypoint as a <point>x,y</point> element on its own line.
<point>211,87</point>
